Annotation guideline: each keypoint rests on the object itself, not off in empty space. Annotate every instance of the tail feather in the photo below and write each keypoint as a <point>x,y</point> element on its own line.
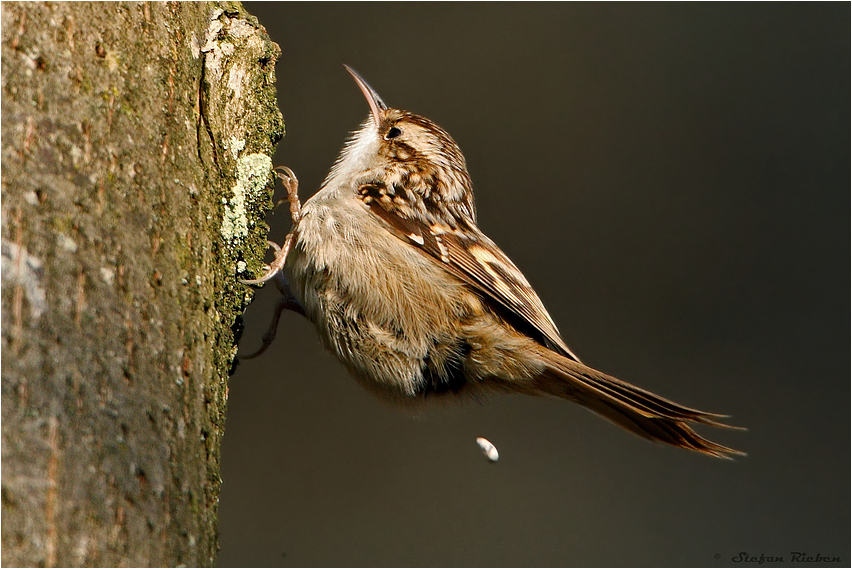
<point>639,411</point>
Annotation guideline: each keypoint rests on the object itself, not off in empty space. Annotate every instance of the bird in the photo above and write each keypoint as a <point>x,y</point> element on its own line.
<point>388,262</point>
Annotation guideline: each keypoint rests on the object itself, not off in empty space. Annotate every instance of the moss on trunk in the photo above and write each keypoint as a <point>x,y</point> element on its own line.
<point>135,174</point>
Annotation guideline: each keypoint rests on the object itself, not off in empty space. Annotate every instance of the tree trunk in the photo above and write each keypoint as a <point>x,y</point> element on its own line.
<point>136,145</point>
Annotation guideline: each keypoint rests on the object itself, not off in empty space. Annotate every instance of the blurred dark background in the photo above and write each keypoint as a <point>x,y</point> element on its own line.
<point>674,179</point>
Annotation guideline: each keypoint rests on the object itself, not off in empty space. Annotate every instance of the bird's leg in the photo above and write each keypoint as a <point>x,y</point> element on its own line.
<point>291,184</point>
<point>286,302</point>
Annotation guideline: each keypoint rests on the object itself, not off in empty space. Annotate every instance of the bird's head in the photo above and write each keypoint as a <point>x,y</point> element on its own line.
<point>392,140</point>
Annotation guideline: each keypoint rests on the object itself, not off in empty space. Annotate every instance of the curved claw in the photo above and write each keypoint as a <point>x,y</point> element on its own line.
<point>284,171</point>
<point>288,178</point>
<point>278,203</point>
<point>274,267</point>
<point>291,183</point>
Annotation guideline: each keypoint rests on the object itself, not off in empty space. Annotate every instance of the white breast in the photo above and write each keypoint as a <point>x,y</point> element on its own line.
<point>379,303</point>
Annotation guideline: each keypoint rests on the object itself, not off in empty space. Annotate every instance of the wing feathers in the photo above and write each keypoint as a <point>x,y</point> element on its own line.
<point>468,254</point>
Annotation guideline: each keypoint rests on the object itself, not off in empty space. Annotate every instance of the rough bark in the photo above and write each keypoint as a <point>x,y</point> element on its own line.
<point>136,145</point>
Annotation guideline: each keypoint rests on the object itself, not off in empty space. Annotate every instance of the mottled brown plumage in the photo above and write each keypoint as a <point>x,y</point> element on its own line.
<point>389,264</point>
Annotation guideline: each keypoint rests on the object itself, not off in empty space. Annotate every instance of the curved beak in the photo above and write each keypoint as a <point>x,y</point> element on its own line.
<point>376,103</point>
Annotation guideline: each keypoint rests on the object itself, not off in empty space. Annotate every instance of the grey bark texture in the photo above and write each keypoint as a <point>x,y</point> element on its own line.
<point>136,145</point>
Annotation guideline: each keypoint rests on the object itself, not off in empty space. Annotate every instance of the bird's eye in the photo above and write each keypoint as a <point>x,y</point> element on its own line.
<point>393,133</point>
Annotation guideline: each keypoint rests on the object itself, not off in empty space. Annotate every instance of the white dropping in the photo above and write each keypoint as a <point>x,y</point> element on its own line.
<point>488,449</point>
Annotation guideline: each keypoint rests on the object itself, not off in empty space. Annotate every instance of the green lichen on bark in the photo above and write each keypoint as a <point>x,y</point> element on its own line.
<point>126,129</point>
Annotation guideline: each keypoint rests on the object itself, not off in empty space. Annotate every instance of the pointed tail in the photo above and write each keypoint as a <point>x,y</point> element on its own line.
<point>642,412</point>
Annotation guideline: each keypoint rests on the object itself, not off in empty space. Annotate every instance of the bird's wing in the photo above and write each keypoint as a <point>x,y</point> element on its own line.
<point>468,254</point>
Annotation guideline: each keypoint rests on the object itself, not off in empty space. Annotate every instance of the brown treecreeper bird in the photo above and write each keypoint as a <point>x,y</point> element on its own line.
<point>388,262</point>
